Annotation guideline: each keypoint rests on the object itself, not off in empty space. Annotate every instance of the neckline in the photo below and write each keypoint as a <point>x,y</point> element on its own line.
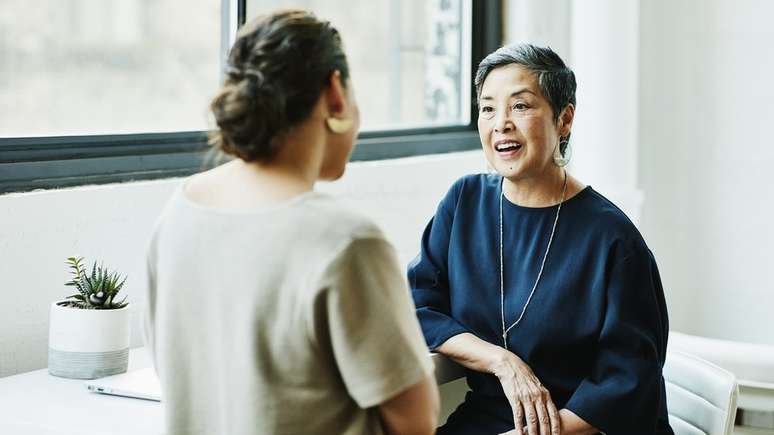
<point>581,193</point>
<point>190,203</point>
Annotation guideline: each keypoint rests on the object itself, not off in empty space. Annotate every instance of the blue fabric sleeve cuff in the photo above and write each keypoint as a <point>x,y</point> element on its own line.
<point>441,337</point>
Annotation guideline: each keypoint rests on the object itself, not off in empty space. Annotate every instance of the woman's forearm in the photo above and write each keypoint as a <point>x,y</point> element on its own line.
<point>574,425</point>
<point>472,352</point>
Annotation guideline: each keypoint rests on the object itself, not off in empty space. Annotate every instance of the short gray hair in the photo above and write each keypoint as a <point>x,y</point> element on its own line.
<point>556,80</point>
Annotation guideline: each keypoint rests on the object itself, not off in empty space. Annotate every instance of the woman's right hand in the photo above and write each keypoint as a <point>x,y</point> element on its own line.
<point>534,412</point>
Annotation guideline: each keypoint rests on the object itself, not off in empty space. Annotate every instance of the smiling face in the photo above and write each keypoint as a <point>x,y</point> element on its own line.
<point>516,124</point>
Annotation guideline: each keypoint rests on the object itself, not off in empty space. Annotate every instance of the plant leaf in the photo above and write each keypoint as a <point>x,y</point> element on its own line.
<point>120,285</point>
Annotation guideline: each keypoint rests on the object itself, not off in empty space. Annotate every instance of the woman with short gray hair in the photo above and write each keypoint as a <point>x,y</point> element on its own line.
<point>538,285</point>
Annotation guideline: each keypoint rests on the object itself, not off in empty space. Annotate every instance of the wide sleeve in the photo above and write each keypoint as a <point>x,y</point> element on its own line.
<point>428,276</point>
<point>624,392</point>
<point>366,318</point>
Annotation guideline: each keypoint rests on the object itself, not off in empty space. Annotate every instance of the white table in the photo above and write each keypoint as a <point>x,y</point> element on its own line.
<point>36,403</point>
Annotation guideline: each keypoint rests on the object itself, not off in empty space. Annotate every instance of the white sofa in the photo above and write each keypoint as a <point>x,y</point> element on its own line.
<point>701,397</point>
<point>753,365</point>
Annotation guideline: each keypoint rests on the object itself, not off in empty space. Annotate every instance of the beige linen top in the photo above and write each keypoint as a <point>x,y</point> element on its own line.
<point>294,319</point>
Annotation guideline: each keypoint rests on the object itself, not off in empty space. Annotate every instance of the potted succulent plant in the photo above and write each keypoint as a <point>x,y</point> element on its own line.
<point>89,330</point>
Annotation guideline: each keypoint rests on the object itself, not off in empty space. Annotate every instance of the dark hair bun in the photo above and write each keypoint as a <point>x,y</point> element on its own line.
<point>249,116</point>
<point>277,69</point>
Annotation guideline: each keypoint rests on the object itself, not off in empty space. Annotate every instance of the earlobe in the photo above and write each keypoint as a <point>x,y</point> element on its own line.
<point>337,125</point>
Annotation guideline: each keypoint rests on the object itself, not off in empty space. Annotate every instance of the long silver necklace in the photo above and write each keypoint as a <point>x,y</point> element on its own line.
<point>542,264</point>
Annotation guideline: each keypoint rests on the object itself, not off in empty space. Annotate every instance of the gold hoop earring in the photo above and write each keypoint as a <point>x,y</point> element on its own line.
<point>338,126</point>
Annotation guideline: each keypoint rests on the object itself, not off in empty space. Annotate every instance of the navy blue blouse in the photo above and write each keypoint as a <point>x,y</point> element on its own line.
<point>595,332</point>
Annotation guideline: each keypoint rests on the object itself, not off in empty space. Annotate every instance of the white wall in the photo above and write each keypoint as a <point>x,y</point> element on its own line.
<point>705,153</point>
<point>41,229</point>
<point>113,223</point>
<point>541,22</point>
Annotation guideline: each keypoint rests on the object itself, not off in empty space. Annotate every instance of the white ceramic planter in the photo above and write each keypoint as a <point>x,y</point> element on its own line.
<point>88,344</point>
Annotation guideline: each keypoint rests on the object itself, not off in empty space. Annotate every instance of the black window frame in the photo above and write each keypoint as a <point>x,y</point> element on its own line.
<point>31,163</point>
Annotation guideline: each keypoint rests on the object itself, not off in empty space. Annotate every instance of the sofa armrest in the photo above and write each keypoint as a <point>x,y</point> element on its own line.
<point>446,370</point>
<point>753,365</point>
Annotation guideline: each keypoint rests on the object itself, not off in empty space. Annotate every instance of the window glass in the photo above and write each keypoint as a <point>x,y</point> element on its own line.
<point>409,59</point>
<point>77,67</point>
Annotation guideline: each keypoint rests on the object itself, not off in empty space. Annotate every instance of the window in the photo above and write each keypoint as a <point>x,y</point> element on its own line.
<point>407,57</point>
<point>80,67</point>
<point>116,91</point>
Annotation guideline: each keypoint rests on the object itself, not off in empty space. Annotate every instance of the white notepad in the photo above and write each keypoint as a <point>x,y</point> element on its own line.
<point>140,384</point>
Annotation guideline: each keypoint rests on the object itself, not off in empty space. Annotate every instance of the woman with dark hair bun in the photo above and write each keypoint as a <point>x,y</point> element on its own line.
<point>272,309</point>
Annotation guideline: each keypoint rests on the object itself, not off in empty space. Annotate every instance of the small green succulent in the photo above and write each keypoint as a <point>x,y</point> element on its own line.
<point>96,291</point>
